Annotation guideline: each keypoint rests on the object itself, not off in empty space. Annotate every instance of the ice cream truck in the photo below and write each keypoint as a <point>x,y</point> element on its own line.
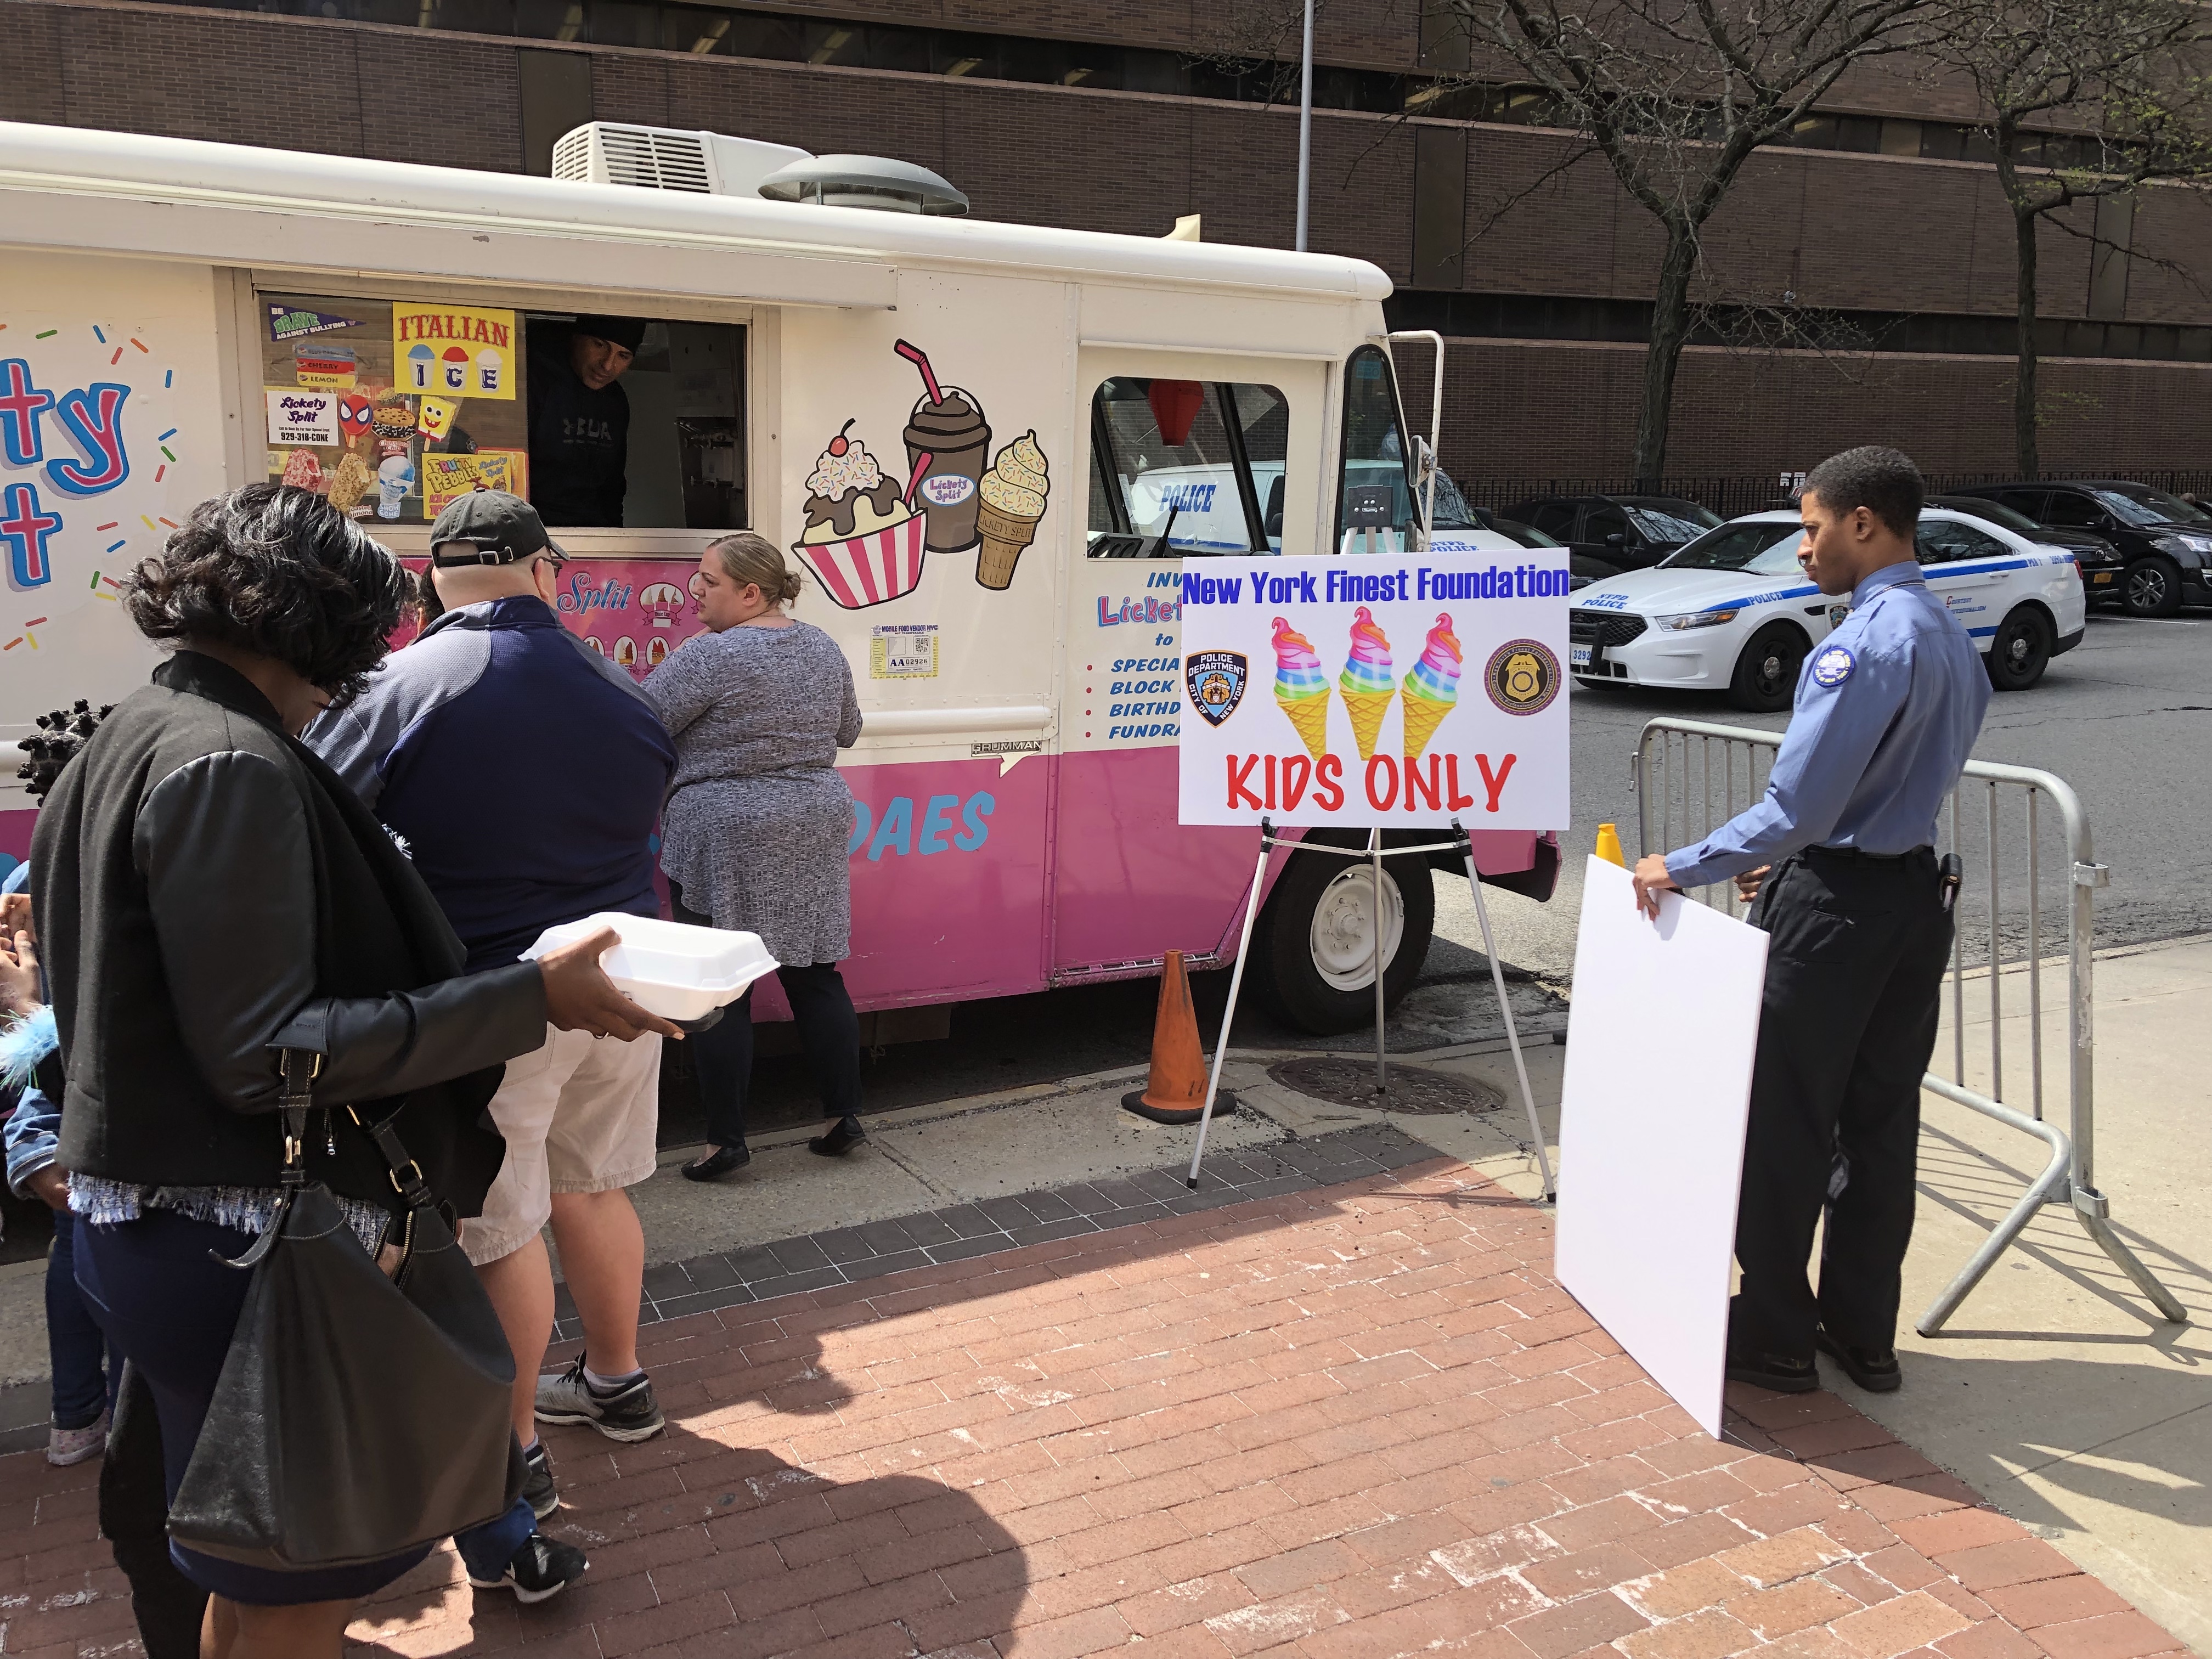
<point>997,451</point>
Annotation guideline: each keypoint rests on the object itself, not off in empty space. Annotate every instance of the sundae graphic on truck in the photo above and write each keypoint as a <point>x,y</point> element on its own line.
<point>1021,468</point>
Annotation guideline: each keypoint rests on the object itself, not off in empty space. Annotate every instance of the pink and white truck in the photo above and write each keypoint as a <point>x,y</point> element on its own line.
<point>998,450</point>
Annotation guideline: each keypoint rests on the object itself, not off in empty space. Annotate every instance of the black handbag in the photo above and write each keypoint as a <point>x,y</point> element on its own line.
<point>357,1416</point>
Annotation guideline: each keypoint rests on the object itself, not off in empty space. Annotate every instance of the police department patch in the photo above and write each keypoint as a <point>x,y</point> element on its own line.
<point>1834,667</point>
<point>1521,677</point>
<point>1215,680</point>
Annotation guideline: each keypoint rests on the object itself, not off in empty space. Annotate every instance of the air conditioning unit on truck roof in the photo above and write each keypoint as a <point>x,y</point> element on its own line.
<point>715,164</point>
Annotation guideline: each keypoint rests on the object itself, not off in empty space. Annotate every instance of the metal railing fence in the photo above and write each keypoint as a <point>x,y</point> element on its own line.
<point>1691,777</point>
<point>1732,495</point>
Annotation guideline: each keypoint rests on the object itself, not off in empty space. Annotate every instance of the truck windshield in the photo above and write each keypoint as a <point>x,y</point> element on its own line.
<point>1186,467</point>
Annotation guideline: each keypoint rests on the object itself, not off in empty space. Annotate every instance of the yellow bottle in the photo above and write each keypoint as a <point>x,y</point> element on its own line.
<point>1608,845</point>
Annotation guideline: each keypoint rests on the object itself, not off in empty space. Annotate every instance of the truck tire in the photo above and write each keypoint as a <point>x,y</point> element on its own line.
<point>1312,949</point>
<point>2019,650</point>
<point>1765,678</point>
<point>2151,587</point>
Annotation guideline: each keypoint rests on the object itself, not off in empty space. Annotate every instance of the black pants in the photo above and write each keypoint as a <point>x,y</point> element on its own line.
<point>1854,977</point>
<point>829,1032</point>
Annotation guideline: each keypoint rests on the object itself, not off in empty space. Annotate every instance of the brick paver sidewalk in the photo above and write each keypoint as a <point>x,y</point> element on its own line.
<point>1356,1421</point>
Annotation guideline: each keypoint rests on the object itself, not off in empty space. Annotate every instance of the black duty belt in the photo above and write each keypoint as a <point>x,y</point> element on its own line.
<point>1862,856</point>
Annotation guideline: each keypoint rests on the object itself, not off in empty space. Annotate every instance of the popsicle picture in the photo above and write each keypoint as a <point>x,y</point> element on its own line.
<point>1367,684</point>
<point>1302,687</point>
<point>1431,689</point>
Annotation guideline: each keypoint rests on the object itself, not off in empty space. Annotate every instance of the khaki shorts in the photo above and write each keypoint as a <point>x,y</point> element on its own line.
<point>580,1116</point>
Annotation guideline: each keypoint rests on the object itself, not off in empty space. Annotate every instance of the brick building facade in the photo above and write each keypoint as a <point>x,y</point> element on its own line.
<point>1540,301</point>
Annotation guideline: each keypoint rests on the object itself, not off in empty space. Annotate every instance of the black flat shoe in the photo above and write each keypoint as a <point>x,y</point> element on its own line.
<point>845,1134</point>
<point>1874,1369</point>
<point>717,1164</point>
<point>1776,1373</point>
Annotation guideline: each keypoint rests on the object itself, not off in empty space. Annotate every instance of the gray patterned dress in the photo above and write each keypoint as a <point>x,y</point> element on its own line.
<point>757,820</point>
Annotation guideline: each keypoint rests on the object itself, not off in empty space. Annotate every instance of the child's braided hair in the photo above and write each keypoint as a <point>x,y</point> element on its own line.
<point>58,738</point>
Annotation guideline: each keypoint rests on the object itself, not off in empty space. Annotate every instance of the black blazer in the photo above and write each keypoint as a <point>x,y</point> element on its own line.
<point>208,893</point>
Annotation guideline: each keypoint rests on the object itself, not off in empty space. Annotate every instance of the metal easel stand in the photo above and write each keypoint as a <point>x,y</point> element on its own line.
<point>1372,853</point>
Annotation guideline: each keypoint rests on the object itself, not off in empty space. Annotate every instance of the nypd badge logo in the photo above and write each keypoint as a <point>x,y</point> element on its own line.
<point>1216,681</point>
<point>1834,667</point>
<point>1523,677</point>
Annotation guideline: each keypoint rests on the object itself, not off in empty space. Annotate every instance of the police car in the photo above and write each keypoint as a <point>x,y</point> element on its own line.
<point>1732,611</point>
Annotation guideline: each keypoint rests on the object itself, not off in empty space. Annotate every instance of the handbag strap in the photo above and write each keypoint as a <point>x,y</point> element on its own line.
<point>299,1067</point>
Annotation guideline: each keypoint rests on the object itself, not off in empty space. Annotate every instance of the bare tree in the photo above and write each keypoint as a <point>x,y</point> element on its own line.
<point>2117,78</point>
<point>1676,95</point>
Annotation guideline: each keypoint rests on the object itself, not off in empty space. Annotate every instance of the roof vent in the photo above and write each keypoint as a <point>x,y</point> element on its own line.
<point>665,158</point>
<point>864,181</point>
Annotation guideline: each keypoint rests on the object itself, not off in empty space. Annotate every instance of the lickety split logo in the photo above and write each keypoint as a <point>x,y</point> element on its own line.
<point>1216,682</point>
<point>1523,677</point>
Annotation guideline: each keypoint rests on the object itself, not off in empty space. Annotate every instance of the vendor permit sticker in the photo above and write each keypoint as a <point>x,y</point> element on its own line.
<point>1216,681</point>
<point>1834,667</point>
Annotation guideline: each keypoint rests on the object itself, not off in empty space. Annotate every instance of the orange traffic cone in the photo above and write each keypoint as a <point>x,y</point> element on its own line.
<point>1176,1092</point>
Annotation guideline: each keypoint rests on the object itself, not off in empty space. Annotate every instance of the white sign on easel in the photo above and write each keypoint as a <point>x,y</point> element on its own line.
<point>1659,1043</point>
<point>1417,690</point>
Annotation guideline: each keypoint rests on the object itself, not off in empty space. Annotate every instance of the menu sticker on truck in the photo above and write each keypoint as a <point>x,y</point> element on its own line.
<point>447,478</point>
<point>902,651</point>
<point>454,351</point>
<point>300,416</point>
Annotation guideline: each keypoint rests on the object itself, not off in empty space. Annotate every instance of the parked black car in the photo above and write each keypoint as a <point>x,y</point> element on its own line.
<point>1609,534</point>
<point>2099,560</point>
<point>2165,542</point>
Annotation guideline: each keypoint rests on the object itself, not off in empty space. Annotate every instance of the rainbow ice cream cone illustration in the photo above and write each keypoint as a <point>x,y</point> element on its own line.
<point>1302,687</point>
<point>1366,683</point>
<point>1432,688</point>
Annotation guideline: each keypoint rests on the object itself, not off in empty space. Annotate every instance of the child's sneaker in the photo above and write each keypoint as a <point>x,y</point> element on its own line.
<point>68,1446</point>
<point>542,1567</point>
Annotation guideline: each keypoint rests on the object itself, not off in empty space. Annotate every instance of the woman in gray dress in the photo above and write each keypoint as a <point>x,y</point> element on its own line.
<point>754,836</point>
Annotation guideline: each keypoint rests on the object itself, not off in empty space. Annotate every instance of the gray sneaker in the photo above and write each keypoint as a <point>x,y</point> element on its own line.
<point>68,1446</point>
<point>630,1413</point>
<point>537,1489</point>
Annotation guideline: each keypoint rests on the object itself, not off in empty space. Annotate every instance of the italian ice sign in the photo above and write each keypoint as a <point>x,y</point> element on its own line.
<point>1354,691</point>
<point>454,351</point>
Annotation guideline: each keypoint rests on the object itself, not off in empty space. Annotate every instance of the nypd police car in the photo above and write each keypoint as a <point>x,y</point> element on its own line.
<point>1732,611</point>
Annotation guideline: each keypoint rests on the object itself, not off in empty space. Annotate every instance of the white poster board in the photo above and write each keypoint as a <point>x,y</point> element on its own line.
<point>1399,689</point>
<point>1660,1042</point>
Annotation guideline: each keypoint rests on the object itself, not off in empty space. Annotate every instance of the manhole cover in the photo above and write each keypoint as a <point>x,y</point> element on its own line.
<point>1413,1088</point>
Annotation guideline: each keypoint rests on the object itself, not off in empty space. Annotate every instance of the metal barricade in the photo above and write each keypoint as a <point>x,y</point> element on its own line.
<point>1690,777</point>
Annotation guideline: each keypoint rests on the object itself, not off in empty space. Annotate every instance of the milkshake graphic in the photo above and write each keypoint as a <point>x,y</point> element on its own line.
<point>1366,683</point>
<point>863,538</point>
<point>946,441</point>
<point>1432,688</point>
<point>1302,687</point>
<point>1013,493</point>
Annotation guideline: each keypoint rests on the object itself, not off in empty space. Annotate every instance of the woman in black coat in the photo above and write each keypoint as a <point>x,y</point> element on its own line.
<point>208,894</point>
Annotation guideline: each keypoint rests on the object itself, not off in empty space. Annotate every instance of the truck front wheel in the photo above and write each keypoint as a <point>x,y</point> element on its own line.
<point>1314,945</point>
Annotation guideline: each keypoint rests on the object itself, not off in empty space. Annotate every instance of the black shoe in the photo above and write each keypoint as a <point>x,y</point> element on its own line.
<point>845,1134</point>
<point>717,1164</point>
<point>1874,1369</point>
<point>1778,1373</point>
<point>543,1567</point>
<point>537,1489</point>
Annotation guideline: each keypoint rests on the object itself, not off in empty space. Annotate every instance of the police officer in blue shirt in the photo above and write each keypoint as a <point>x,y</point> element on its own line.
<point>1840,854</point>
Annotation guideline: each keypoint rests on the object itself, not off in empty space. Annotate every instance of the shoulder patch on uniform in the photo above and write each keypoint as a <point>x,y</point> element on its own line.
<point>1834,667</point>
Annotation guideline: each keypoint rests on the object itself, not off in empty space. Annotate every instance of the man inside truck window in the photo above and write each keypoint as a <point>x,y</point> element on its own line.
<point>580,418</point>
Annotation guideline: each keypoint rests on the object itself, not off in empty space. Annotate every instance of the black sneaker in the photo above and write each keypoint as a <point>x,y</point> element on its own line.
<point>537,1489</point>
<point>543,1567</point>
<point>629,1413</point>
<point>1778,1373</point>
<point>1874,1369</point>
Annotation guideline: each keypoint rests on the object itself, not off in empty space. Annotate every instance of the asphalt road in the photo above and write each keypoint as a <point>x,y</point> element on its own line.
<point>2126,718</point>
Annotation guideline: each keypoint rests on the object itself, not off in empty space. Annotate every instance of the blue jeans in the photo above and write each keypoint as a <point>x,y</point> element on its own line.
<point>486,1550</point>
<point>84,1381</point>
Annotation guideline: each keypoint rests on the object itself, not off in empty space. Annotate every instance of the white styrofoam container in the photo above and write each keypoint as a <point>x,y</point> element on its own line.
<point>669,968</point>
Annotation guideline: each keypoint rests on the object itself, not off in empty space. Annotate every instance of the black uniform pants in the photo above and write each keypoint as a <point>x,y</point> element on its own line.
<point>1854,978</point>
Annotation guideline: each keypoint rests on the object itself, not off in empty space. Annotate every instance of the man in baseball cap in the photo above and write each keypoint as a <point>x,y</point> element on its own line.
<point>525,772</point>
<point>579,417</point>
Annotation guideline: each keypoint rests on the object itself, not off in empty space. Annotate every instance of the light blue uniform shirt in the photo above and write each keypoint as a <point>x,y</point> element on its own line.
<point>1887,710</point>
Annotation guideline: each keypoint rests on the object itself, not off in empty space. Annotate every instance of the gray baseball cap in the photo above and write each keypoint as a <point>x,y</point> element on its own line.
<point>502,528</point>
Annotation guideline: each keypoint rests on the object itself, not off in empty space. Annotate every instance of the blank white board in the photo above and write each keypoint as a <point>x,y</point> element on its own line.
<point>1660,1040</point>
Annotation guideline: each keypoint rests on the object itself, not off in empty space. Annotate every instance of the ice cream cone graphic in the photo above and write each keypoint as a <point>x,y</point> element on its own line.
<point>1432,690</point>
<point>1366,684</point>
<point>1302,687</point>
<point>1012,503</point>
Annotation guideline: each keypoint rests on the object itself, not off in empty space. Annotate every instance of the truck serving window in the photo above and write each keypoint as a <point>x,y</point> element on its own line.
<point>1375,507</point>
<point>1186,467</point>
<point>392,408</point>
